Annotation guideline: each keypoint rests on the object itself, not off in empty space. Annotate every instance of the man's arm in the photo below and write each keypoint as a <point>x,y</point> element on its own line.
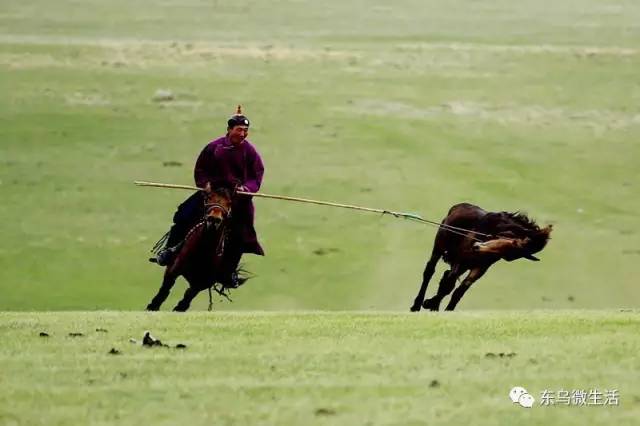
<point>255,171</point>
<point>204,164</point>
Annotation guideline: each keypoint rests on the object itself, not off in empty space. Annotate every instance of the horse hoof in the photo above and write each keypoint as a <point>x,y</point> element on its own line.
<point>415,308</point>
<point>431,305</point>
<point>152,308</point>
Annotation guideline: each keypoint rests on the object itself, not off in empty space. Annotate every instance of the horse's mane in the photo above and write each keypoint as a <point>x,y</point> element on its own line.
<point>524,221</point>
<point>223,191</point>
<point>222,185</point>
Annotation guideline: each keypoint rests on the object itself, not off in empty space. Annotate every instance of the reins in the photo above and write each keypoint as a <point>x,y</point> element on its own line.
<point>217,205</point>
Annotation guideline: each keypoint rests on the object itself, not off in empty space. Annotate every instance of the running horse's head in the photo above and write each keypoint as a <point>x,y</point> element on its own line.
<point>217,203</point>
<point>515,236</point>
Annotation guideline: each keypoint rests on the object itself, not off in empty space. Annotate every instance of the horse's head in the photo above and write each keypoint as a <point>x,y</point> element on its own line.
<point>217,202</point>
<point>516,236</point>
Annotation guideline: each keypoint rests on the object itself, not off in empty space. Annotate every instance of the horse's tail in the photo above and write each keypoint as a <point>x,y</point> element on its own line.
<point>243,275</point>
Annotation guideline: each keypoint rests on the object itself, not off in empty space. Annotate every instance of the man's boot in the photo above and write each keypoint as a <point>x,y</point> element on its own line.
<point>188,213</point>
<point>171,248</point>
<point>166,255</point>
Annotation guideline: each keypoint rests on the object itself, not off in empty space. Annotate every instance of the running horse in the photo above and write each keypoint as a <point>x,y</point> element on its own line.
<point>472,239</point>
<point>199,259</point>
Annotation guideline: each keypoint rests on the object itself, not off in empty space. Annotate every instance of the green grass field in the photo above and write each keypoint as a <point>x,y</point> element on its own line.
<point>409,106</point>
<point>316,368</point>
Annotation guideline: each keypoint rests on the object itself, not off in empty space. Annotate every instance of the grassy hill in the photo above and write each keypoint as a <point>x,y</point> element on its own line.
<point>410,106</point>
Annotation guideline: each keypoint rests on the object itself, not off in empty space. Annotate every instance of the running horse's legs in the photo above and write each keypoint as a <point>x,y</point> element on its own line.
<point>429,269</point>
<point>167,283</point>
<point>473,276</point>
<point>447,284</point>
<point>189,295</point>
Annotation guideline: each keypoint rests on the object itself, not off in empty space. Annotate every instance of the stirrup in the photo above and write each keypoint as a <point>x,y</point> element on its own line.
<point>165,256</point>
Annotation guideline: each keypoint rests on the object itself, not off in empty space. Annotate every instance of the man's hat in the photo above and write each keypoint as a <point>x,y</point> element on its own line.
<point>238,119</point>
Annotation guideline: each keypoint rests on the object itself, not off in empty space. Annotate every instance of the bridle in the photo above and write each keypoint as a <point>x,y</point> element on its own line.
<point>227,214</point>
<point>209,206</point>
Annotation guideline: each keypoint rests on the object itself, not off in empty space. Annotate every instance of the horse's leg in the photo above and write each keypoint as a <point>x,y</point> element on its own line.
<point>429,269</point>
<point>447,284</point>
<point>189,294</point>
<point>167,283</point>
<point>230,261</point>
<point>433,303</point>
<point>473,276</point>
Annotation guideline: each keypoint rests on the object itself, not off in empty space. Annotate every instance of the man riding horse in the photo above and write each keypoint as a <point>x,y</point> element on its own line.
<point>234,160</point>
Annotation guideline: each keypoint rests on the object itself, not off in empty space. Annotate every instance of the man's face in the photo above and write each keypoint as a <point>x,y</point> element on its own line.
<point>238,133</point>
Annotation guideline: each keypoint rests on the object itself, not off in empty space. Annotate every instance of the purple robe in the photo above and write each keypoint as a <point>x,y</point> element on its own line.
<point>241,164</point>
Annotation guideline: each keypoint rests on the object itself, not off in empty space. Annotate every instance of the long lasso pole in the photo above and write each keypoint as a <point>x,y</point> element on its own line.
<point>284,197</point>
<point>410,216</point>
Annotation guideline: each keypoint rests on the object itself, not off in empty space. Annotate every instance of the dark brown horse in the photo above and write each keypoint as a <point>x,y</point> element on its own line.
<point>472,239</point>
<point>200,256</point>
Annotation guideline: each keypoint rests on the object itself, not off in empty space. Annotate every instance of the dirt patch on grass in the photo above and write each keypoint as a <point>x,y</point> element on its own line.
<point>86,99</point>
<point>525,48</point>
<point>31,60</point>
<point>525,114</point>
<point>143,53</point>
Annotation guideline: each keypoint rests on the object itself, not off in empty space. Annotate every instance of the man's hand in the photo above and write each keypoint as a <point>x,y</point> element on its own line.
<point>241,188</point>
